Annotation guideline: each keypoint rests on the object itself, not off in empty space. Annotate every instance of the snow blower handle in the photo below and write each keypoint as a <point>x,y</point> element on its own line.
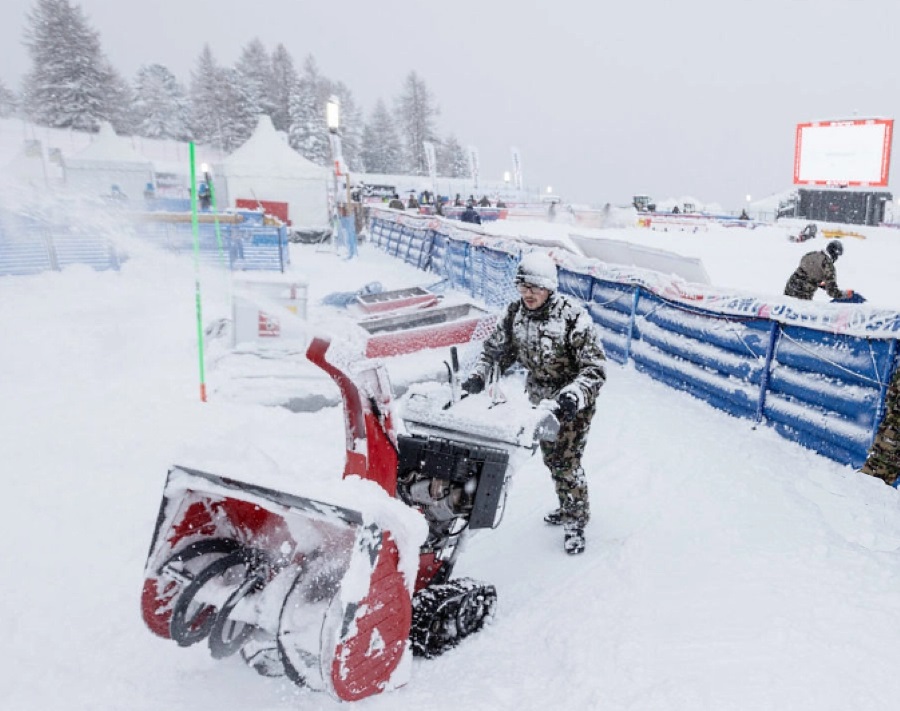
<point>453,375</point>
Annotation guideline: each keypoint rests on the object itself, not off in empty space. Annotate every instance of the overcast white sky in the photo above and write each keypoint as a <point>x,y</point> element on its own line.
<point>604,100</point>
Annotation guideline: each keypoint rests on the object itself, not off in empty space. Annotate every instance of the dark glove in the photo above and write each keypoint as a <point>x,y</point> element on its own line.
<point>567,407</point>
<point>473,385</point>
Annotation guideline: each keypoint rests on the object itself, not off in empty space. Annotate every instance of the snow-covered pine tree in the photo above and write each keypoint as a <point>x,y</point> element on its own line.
<point>452,160</point>
<point>120,100</point>
<point>9,102</point>
<point>221,111</point>
<point>381,151</point>
<point>205,109</point>
<point>161,105</point>
<point>70,84</point>
<point>308,132</point>
<point>284,80</point>
<point>416,112</point>
<point>254,71</point>
<point>239,116</point>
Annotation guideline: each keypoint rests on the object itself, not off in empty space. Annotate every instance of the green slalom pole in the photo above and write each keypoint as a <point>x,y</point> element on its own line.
<point>195,226</point>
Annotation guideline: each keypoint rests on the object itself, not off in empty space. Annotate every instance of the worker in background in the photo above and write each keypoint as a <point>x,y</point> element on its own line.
<point>816,271</point>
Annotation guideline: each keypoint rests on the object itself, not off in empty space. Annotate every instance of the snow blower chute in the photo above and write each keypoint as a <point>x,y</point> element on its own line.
<point>316,591</point>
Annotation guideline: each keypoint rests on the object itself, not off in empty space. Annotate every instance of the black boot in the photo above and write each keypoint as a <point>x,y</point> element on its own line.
<point>554,518</point>
<point>574,538</point>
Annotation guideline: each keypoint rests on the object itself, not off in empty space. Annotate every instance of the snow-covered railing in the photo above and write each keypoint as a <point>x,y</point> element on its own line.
<point>30,246</point>
<point>244,245</point>
<point>430,244</point>
<point>816,374</point>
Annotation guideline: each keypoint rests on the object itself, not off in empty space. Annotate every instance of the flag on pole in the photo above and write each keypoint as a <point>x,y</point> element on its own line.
<point>430,159</point>
<point>473,165</point>
<point>517,168</point>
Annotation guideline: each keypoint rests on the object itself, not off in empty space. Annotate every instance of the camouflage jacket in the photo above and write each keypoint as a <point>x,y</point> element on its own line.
<point>883,459</point>
<point>816,269</point>
<point>557,344</point>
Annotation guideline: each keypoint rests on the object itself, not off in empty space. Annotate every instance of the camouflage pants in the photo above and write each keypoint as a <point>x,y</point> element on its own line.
<point>563,459</point>
<point>883,460</point>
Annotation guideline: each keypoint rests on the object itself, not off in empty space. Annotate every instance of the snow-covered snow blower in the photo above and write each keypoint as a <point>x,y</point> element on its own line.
<point>336,591</point>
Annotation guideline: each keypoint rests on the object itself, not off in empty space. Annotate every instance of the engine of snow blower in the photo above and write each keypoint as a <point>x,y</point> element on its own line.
<point>316,591</point>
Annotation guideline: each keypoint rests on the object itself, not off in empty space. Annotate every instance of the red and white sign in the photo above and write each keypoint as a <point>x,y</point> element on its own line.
<point>839,153</point>
<point>268,327</point>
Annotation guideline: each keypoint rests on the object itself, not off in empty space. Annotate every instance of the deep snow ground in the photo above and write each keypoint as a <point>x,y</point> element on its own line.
<point>726,568</point>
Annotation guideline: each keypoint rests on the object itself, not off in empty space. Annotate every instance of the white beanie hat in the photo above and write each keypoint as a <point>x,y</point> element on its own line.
<point>538,269</point>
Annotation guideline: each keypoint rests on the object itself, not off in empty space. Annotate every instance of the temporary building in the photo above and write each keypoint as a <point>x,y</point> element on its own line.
<point>265,168</point>
<point>108,161</point>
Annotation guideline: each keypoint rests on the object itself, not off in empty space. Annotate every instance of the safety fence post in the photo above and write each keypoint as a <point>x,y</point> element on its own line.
<point>774,333</point>
<point>635,298</point>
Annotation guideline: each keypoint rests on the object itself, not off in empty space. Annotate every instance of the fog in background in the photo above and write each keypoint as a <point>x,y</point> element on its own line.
<point>604,100</point>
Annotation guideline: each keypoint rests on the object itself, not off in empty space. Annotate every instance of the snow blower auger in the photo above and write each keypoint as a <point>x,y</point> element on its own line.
<point>300,587</point>
<point>328,594</point>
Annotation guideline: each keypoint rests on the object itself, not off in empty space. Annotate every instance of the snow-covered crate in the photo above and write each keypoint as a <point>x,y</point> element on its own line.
<point>432,327</point>
<point>269,310</point>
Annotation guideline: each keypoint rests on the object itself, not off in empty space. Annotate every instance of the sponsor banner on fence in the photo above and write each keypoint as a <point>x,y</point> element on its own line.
<point>850,319</point>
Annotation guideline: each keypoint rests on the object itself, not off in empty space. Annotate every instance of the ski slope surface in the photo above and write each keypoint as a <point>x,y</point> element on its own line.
<point>726,568</point>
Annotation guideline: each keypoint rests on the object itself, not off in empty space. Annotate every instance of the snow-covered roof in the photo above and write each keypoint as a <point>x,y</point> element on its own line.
<point>267,153</point>
<point>109,148</point>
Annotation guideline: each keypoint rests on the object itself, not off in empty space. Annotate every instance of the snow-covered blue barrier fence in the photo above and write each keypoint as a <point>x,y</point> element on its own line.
<point>31,246</point>
<point>818,377</point>
<point>244,242</point>
<point>240,241</point>
<point>481,271</point>
<point>819,388</point>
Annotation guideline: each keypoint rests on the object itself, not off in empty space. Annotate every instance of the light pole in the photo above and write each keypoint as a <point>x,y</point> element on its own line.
<point>341,216</point>
<point>333,121</point>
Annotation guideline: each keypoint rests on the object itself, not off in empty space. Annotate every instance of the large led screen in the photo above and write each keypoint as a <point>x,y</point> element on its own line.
<point>852,152</point>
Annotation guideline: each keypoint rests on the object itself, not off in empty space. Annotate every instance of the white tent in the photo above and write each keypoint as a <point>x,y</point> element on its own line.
<point>109,160</point>
<point>30,167</point>
<point>265,167</point>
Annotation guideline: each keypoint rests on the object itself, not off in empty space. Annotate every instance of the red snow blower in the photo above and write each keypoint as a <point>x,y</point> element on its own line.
<point>316,591</point>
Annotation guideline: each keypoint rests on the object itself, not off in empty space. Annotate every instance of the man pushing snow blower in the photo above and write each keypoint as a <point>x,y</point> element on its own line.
<point>554,339</point>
